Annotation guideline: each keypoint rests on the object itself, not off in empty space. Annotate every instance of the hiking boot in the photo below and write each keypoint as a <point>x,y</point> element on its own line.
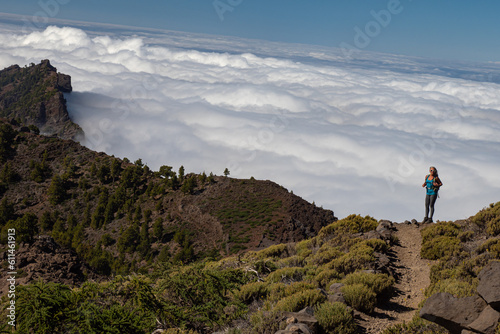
<point>425,220</point>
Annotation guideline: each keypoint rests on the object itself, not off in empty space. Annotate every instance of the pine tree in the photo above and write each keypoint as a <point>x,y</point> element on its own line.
<point>145,244</point>
<point>57,191</point>
<point>26,227</point>
<point>116,169</point>
<point>181,173</point>
<point>158,229</point>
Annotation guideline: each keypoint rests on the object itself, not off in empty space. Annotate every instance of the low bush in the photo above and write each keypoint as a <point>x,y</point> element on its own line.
<point>356,224</point>
<point>278,291</point>
<point>455,287</point>
<point>416,326</point>
<point>489,217</point>
<point>253,291</point>
<point>178,331</point>
<point>305,247</point>
<point>266,322</point>
<point>350,225</point>
<point>290,274</point>
<point>491,246</point>
<point>326,277</point>
<point>447,229</point>
<point>440,247</point>
<point>324,255</point>
<point>274,251</point>
<point>359,297</point>
<point>335,318</point>
<point>299,300</point>
<point>292,261</point>
<point>356,259</point>
<point>378,283</point>
<point>378,245</point>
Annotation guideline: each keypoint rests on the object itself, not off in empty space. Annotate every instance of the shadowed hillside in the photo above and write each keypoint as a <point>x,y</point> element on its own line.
<point>121,216</point>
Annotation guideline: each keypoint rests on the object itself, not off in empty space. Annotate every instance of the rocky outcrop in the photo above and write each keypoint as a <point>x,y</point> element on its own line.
<point>35,96</point>
<point>335,293</point>
<point>489,284</point>
<point>476,314</point>
<point>302,322</point>
<point>46,260</point>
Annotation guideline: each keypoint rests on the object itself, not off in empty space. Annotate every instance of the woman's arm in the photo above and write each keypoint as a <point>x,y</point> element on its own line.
<point>423,185</point>
<point>438,182</point>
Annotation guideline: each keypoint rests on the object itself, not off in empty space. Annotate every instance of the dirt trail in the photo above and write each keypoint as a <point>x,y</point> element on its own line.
<point>412,277</point>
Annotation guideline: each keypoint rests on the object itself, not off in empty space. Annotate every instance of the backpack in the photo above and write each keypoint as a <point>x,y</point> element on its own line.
<point>435,188</point>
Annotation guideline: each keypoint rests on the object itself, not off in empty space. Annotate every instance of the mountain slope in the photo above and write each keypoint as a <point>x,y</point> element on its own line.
<point>120,216</point>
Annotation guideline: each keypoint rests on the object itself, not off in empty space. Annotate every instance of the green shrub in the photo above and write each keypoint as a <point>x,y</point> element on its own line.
<point>465,269</point>
<point>279,291</point>
<point>264,267</point>
<point>491,246</point>
<point>299,300</point>
<point>455,287</point>
<point>416,326</point>
<point>304,247</point>
<point>41,307</point>
<point>356,259</point>
<point>274,251</point>
<point>324,255</point>
<point>335,318</point>
<point>378,245</point>
<point>359,297</point>
<point>378,283</point>
<point>466,236</point>
<point>447,229</point>
<point>350,225</point>
<point>440,247</point>
<point>292,261</point>
<point>489,217</point>
<point>357,224</point>
<point>179,331</point>
<point>325,277</point>
<point>253,291</point>
<point>286,275</point>
<point>266,322</point>
<point>195,296</point>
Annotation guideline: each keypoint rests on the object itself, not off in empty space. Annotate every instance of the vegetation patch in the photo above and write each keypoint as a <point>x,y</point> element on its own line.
<point>299,300</point>
<point>489,218</point>
<point>335,318</point>
<point>441,246</point>
<point>359,297</point>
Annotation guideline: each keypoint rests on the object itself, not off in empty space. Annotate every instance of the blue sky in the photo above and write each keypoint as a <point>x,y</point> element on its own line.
<point>446,29</point>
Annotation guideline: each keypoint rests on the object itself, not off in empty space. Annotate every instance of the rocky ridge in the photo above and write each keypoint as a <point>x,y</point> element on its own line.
<point>34,95</point>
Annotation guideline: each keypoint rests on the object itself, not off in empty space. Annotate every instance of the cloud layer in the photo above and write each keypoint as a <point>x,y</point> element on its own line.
<point>355,135</point>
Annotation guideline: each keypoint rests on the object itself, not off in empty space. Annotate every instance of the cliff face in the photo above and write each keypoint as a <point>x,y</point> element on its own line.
<point>34,95</point>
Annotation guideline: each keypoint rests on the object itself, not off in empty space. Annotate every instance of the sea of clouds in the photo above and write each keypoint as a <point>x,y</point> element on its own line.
<point>354,135</point>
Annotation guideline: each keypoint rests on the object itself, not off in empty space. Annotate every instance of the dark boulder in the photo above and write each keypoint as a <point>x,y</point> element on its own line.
<point>454,314</point>
<point>487,321</point>
<point>489,284</point>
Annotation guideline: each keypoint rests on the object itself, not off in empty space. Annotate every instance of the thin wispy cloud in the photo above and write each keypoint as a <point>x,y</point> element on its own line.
<point>354,135</point>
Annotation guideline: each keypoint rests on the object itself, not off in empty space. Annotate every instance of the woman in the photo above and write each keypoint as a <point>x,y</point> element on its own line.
<point>432,183</point>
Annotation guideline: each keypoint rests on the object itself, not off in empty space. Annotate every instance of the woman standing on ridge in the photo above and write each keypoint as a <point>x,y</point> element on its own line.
<point>432,183</point>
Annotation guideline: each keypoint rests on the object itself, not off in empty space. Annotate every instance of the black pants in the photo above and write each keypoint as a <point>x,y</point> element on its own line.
<point>430,200</point>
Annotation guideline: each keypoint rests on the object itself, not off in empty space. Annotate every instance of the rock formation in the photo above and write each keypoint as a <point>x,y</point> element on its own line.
<point>476,314</point>
<point>34,95</point>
